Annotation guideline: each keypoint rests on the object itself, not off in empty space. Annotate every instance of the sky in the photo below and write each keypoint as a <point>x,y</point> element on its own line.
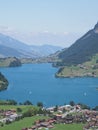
<point>59,18</point>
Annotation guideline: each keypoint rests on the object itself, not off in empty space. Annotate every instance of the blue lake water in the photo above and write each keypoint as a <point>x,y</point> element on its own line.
<point>36,82</point>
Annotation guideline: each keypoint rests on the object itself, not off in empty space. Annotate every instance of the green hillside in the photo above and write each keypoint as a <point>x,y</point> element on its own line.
<point>9,62</point>
<point>82,50</point>
<point>3,82</point>
<point>86,69</point>
<point>81,59</point>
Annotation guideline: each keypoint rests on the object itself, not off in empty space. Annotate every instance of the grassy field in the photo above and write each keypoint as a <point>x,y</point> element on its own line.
<point>7,107</point>
<point>27,122</point>
<point>24,123</point>
<point>24,108</point>
<point>68,127</point>
<point>88,69</point>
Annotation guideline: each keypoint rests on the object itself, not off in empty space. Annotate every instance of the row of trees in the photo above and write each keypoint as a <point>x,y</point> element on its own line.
<point>13,102</point>
<point>40,104</point>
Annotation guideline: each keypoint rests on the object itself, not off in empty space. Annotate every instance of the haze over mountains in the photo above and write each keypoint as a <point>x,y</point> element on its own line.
<point>64,39</point>
<point>82,50</point>
<point>12,47</point>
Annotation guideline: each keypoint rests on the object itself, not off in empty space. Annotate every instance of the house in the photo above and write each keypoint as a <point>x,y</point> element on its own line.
<point>3,120</point>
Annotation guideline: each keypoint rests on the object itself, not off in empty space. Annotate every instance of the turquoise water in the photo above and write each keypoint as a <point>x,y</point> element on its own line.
<point>36,82</point>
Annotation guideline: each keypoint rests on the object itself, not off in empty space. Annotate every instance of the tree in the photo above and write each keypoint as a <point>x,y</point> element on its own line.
<point>72,103</point>
<point>96,108</point>
<point>8,122</point>
<point>40,111</point>
<point>19,109</point>
<point>11,102</point>
<point>28,103</point>
<point>1,124</point>
<point>64,110</point>
<point>40,104</point>
<point>83,106</point>
<point>56,108</point>
<point>28,113</point>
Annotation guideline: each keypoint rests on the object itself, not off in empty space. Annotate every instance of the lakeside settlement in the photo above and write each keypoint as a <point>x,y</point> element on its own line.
<point>51,116</point>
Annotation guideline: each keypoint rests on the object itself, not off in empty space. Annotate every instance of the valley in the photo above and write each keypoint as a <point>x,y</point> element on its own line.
<point>48,65</point>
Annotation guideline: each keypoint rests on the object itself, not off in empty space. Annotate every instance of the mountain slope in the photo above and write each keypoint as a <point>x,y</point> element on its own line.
<point>9,52</point>
<point>86,69</point>
<point>82,50</point>
<point>45,50</point>
<point>12,47</point>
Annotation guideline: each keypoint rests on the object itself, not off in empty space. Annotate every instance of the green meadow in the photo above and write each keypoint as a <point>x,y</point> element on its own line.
<point>27,122</point>
<point>24,123</point>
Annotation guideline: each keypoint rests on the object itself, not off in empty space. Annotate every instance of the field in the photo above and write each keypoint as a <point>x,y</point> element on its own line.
<point>88,69</point>
<point>27,122</point>
<point>23,107</point>
<point>68,127</point>
<point>24,123</point>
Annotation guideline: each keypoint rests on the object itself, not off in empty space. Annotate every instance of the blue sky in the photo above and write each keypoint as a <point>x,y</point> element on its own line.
<point>57,16</point>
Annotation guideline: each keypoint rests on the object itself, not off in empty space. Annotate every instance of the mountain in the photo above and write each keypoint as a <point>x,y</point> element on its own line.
<point>81,59</point>
<point>13,47</point>
<point>43,37</point>
<point>82,50</point>
<point>10,47</point>
<point>45,50</point>
<point>9,52</point>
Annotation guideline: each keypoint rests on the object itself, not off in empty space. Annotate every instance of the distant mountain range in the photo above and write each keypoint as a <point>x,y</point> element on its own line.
<point>11,47</point>
<point>42,37</point>
<point>45,50</point>
<point>82,50</point>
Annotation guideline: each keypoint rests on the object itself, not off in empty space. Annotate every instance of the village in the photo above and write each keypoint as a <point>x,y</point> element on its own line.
<point>73,114</point>
<point>66,114</point>
<point>8,116</point>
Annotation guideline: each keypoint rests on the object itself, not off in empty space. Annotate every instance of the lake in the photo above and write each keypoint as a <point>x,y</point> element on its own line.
<point>36,82</point>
